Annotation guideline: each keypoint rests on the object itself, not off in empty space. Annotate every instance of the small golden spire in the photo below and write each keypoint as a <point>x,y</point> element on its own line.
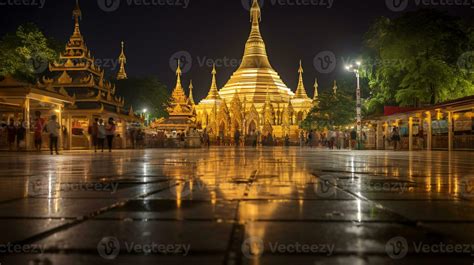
<point>191,98</point>
<point>178,74</point>
<point>300,90</point>
<point>77,14</point>
<point>316,86</point>
<point>213,92</point>
<point>255,12</point>
<point>122,60</point>
<point>334,88</point>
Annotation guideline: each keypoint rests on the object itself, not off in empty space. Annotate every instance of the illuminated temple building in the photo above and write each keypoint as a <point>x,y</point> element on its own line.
<point>254,99</point>
<point>76,74</point>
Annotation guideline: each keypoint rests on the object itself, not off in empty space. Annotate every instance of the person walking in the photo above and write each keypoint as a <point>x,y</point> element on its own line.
<point>11,134</point>
<point>94,132</point>
<point>20,135</point>
<point>110,133</point>
<point>38,131</point>
<point>237,138</point>
<point>52,127</point>
<point>353,138</point>
<point>101,134</point>
<point>395,138</point>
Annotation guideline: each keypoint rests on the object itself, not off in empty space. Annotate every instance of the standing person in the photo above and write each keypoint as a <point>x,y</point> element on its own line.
<point>353,138</point>
<point>110,133</point>
<point>101,133</point>
<point>94,131</point>
<point>237,137</point>
<point>38,130</point>
<point>52,127</point>
<point>310,138</point>
<point>302,140</point>
<point>20,134</point>
<point>287,140</point>
<point>395,138</point>
<point>11,134</point>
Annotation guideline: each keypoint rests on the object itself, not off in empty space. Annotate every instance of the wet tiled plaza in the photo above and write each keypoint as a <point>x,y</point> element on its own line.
<point>237,206</point>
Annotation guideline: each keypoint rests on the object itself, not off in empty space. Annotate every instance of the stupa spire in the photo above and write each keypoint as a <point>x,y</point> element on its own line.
<point>255,54</point>
<point>77,15</point>
<point>122,60</point>
<point>178,74</point>
<point>300,90</point>
<point>316,93</point>
<point>191,98</point>
<point>213,93</point>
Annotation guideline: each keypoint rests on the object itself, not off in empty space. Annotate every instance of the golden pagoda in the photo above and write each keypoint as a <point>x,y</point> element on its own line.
<point>122,60</point>
<point>180,108</point>
<point>254,99</point>
<point>76,74</point>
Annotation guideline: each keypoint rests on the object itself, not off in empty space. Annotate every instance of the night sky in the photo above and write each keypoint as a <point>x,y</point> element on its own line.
<point>211,29</point>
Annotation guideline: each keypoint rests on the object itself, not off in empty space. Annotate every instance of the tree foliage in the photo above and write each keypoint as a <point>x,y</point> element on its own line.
<point>26,53</point>
<point>333,111</point>
<point>141,93</point>
<point>413,60</point>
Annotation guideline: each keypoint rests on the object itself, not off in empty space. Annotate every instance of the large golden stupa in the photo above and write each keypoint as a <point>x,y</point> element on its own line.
<point>255,99</point>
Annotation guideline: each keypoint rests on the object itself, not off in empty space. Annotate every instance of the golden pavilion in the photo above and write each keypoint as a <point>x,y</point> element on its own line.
<point>254,99</point>
<point>77,75</point>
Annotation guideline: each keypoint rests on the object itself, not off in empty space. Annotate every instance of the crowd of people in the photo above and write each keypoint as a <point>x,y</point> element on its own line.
<point>330,139</point>
<point>15,131</point>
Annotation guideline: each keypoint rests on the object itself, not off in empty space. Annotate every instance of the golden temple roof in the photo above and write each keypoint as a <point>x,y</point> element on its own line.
<point>300,90</point>
<point>122,60</point>
<point>255,73</point>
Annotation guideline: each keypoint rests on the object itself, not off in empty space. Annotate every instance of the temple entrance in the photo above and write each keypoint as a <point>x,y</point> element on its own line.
<point>221,134</point>
<point>252,127</point>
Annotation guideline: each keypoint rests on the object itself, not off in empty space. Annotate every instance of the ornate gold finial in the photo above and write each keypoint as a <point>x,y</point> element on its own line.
<point>178,74</point>
<point>191,98</point>
<point>77,14</point>
<point>334,88</point>
<point>213,92</point>
<point>300,90</point>
<point>255,12</point>
<point>316,86</point>
<point>122,60</point>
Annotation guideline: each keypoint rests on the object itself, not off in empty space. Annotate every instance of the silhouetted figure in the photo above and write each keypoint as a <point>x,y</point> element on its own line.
<point>52,127</point>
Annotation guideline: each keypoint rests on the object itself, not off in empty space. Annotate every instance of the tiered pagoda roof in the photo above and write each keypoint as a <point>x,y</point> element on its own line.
<point>77,73</point>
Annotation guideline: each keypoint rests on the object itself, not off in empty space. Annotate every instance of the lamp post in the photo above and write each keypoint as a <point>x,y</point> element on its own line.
<point>355,69</point>
<point>146,116</point>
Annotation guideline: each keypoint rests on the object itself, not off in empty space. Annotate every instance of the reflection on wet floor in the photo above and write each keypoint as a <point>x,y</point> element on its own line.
<point>237,206</point>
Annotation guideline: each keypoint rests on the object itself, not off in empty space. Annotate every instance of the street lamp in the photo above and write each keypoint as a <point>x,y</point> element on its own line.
<point>355,69</point>
<point>146,116</point>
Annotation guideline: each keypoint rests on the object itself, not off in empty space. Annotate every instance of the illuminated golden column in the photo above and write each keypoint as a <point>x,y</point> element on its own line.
<point>450,130</point>
<point>410,134</point>
<point>429,138</point>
